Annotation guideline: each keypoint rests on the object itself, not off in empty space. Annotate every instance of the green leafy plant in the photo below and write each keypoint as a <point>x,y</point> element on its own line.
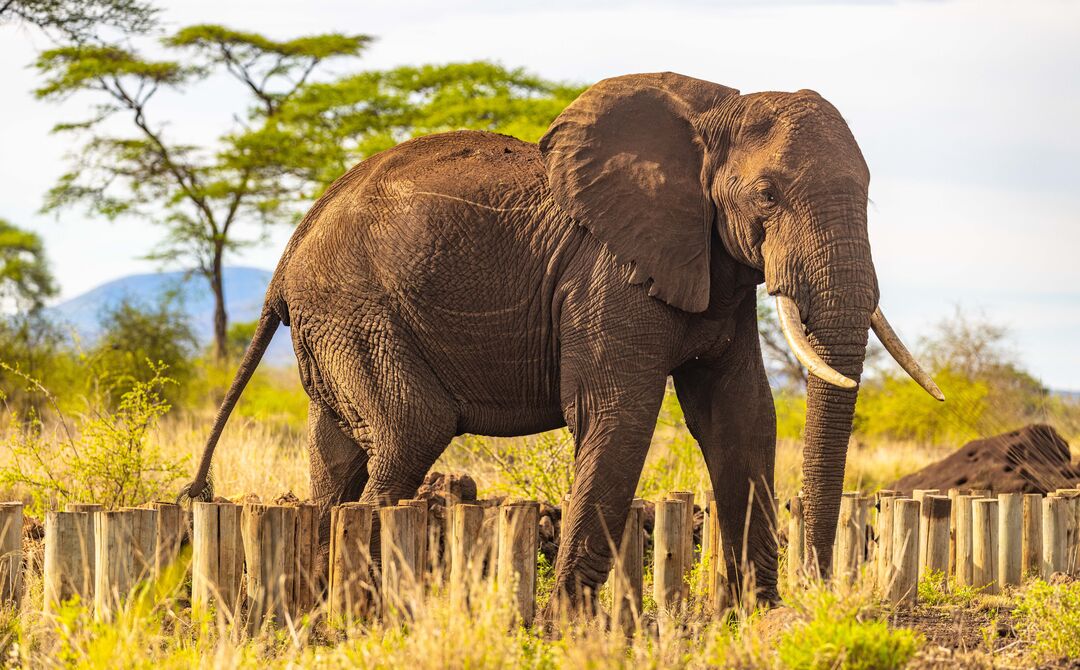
<point>1049,616</point>
<point>841,636</point>
<point>540,467</point>
<point>936,590</point>
<point>108,457</point>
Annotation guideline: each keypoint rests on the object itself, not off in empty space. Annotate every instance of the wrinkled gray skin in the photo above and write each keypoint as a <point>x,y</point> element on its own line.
<point>472,283</point>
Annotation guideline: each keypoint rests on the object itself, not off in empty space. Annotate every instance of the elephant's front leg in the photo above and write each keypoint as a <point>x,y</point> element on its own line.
<point>612,427</point>
<point>729,409</point>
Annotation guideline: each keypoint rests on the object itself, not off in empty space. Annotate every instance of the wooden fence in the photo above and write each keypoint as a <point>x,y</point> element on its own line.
<point>261,562</point>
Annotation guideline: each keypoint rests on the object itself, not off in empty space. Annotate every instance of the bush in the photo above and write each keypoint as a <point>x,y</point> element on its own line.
<point>108,458</point>
<point>1049,616</point>
<point>842,637</point>
<point>133,334</point>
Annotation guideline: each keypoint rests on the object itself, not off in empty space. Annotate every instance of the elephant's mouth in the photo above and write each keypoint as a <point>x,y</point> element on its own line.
<point>792,324</point>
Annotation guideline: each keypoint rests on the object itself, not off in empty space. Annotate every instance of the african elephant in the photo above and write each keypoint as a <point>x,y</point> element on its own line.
<point>468,282</point>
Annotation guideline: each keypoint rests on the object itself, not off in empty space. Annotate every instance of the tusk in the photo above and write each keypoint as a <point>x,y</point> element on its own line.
<point>792,325</point>
<point>900,353</point>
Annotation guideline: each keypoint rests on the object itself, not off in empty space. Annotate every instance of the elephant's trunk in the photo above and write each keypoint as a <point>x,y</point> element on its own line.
<point>837,290</point>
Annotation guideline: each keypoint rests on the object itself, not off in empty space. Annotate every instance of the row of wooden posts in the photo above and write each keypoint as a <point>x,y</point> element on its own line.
<point>966,536</point>
<point>262,560</point>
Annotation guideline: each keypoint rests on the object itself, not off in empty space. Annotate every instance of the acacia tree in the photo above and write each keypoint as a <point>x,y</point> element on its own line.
<point>328,126</point>
<point>25,280</point>
<point>80,20</point>
<point>199,193</point>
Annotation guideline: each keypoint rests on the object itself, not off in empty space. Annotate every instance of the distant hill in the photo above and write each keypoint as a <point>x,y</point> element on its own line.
<point>244,291</point>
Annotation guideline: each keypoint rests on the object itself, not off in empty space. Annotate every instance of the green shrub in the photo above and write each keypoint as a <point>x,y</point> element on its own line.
<point>108,457</point>
<point>935,590</point>
<point>840,637</point>
<point>1049,616</point>
<point>133,334</point>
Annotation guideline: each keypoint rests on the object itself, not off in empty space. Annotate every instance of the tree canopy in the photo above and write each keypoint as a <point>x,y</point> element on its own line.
<point>80,20</point>
<point>25,280</point>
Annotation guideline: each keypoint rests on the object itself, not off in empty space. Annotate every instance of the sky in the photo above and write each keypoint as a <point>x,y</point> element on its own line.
<point>967,114</point>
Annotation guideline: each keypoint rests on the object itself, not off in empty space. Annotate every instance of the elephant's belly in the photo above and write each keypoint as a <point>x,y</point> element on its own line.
<point>509,422</point>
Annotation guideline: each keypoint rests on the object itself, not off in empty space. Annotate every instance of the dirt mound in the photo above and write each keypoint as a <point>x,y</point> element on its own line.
<point>1034,459</point>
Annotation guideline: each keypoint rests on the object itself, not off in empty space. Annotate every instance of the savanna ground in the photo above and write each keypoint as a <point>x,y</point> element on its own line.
<point>130,435</point>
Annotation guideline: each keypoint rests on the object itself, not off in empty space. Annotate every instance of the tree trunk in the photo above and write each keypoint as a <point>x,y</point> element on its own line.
<point>221,323</point>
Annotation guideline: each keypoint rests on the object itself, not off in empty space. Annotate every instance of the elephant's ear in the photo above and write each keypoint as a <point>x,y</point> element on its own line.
<point>625,161</point>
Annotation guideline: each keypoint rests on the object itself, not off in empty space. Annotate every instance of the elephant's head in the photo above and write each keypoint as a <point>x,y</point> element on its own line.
<point>653,164</point>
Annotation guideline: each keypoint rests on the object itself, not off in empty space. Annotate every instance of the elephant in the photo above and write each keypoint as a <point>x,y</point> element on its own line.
<point>470,282</point>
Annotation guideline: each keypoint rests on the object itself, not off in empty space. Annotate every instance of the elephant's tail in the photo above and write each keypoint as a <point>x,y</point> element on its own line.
<point>200,488</point>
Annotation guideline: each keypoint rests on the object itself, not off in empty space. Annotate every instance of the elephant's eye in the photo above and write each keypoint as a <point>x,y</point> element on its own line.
<point>768,198</point>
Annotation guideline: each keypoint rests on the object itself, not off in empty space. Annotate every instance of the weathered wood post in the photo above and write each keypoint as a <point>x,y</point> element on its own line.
<point>984,544</point>
<point>351,593</point>
<point>169,534</point>
<point>400,534</point>
<point>1031,552</point>
<point>904,572</point>
<point>668,532</point>
<point>717,563</point>
<point>687,545</point>
<point>115,562</point>
<point>11,554</point>
<point>67,571</point>
<point>421,537</point>
<point>935,513</point>
<point>953,494</point>
<point>518,543</point>
<point>1055,519</point>
<point>627,582</point>
<point>269,534</point>
<point>796,552</point>
<point>848,550</point>
<point>1072,531</point>
<point>964,546</point>
<point>88,509</point>
<point>143,541</point>
<point>885,541</point>
<point>1010,538</point>
<point>217,561</point>
<point>305,584</point>
<point>469,546</point>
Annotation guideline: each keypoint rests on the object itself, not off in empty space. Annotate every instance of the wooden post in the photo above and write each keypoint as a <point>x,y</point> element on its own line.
<point>269,533</point>
<point>88,509</point>
<point>469,546</point>
<point>920,495</point>
<point>351,594</point>
<point>217,562</point>
<point>143,541</point>
<point>848,551</point>
<point>11,555</point>
<point>962,512</point>
<point>984,541</point>
<point>628,584</point>
<point>1072,531</point>
<point>667,561</point>
<point>67,572</point>
<point>1010,538</point>
<point>402,563</point>
<point>796,553</point>
<point>687,499</point>
<point>953,494</point>
<point>169,534</point>
<point>1055,518</point>
<point>706,531</point>
<point>904,572</point>
<point>717,562</point>
<point>885,544</point>
<point>115,576</point>
<point>935,513</point>
<point>518,544</point>
<point>421,537</point>
<point>1031,551</point>
<point>305,591</point>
